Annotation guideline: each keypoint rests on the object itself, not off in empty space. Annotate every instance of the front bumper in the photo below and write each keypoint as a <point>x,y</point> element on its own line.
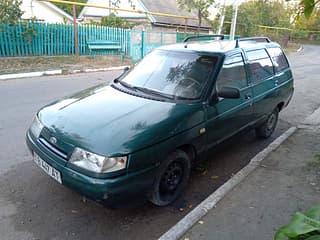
<point>109,191</point>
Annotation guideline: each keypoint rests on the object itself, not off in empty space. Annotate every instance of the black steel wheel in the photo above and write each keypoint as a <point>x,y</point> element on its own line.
<point>171,179</point>
<point>267,128</point>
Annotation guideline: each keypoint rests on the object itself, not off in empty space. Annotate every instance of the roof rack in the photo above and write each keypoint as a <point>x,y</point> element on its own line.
<point>256,39</point>
<point>203,36</point>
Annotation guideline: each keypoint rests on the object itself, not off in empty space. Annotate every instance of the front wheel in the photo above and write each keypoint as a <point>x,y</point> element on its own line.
<point>171,179</point>
<point>267,128</point>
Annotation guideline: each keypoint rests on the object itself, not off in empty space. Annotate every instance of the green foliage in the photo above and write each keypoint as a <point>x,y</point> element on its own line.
<point>69,9</point>
<point>29,29</point>
<point>312,23</point>
<point>255,13</point>
<point>302,226</point>
<point>200,5</point>
<point>10,11</point>
<point>308,6</point>
<point>307,28</point>
<point>114,21</point>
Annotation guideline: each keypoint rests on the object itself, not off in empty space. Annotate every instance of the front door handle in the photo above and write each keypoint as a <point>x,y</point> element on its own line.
<point>276,83</point>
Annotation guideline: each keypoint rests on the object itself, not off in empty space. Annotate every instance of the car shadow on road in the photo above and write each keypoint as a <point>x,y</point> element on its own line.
<point>48,210</point>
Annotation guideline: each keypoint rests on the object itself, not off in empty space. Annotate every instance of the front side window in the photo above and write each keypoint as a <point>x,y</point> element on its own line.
<point>260,65</point>
<point>233,73</point>
<point>181,75</point>
<point>279,60</point>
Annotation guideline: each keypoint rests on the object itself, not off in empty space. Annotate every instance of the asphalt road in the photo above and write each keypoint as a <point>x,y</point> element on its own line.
<point>33,206</point>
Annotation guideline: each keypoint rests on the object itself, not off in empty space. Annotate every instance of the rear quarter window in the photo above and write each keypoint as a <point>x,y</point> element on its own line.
<point>279,59</point>
<point>260,65</point>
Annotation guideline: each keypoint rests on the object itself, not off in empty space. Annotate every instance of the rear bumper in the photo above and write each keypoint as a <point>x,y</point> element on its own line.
<point>111,192</point>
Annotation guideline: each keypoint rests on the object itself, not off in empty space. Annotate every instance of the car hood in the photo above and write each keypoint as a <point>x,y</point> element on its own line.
<point>107,121</point>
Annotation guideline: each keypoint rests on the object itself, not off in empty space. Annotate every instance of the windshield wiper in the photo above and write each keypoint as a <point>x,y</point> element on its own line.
<point>127,85</point>
<point>144,90</point>
<point>153,92</point>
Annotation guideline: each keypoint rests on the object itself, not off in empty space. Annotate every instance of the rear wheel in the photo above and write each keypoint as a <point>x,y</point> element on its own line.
<point>267,128</point>
<point>171,179</point>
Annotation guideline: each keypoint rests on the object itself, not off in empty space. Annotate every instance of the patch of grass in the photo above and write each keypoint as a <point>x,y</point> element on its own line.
<point>43,63</point>
<point>315,163</point>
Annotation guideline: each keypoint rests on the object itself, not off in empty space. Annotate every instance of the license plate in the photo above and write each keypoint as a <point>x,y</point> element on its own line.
<point>51,171</point>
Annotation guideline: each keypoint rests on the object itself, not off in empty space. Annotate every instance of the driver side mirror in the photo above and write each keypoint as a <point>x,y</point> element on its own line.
<point>225,92</point>
<point>229,92</point>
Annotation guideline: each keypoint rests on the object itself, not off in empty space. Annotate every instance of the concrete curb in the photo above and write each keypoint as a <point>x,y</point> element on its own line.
<point>57,72</point>
<point>30,74</point>
<point>178,230</point>
<point>313,119</point>
<point>300,49</point>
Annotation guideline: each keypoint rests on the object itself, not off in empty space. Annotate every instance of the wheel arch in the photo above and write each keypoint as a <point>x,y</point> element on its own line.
<point>280,106</point>
<point>190,150</point>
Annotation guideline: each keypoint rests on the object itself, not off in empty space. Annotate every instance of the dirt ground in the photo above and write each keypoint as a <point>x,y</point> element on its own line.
<point>66,63</point>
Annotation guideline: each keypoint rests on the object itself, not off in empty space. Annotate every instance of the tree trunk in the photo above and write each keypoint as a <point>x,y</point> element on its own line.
<point>200,20</point>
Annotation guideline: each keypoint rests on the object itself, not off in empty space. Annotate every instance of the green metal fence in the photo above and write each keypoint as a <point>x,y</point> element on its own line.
<point>35,39</point>
<point>41,39</point>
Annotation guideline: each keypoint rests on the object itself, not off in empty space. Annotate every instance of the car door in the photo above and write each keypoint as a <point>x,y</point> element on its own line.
<point>263,82</point>
<point>228,116</point>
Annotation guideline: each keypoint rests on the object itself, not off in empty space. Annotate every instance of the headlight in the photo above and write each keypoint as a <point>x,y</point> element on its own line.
<point>97,163</point>
<point>36,127</point>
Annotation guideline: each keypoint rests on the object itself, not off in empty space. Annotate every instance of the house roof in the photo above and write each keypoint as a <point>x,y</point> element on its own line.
<point>58,10</point>
<point>171,7</point>
<point>162,6</point>
<point>102,12</point>
<point>43,10</point>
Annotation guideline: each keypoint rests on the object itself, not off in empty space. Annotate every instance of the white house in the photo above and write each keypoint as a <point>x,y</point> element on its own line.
<point>154,20</point>
<point>92,13</point>
<point>44,11</point>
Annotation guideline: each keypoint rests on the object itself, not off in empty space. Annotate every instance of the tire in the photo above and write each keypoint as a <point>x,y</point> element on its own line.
<point>267,128</point>
<point>172,178</point>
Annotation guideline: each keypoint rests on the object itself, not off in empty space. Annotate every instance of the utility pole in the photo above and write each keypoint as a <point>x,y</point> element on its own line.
<point>234,19</point>
<point>221,19</point>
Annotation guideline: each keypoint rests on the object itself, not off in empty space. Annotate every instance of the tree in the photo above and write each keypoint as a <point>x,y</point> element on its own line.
<point>68,7</point>
<point>310,24</point>
<point>308,6</point>
<point>10,11</point>
<point>307,28</point>
<point>253,13</point>
<point>114,21</point>
<point>200,5</point>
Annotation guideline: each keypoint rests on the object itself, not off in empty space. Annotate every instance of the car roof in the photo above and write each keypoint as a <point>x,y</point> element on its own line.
<point>218,46</point>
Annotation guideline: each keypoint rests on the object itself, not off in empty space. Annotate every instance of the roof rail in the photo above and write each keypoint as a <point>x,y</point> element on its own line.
<point>256,39</point>
<point>203,36</point>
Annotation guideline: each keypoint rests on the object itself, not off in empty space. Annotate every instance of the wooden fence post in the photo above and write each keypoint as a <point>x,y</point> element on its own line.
<point>76,45</point>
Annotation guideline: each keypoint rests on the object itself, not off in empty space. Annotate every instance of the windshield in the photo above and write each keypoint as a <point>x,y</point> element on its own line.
<point>176,74</point>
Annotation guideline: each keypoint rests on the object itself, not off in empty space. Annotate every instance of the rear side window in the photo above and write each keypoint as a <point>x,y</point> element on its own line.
<point>279,60</point>
<point>233,73</point>
<point>260,65</point>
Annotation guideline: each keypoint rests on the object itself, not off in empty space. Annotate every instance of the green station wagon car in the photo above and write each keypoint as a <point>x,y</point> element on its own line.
<point>140,134</point>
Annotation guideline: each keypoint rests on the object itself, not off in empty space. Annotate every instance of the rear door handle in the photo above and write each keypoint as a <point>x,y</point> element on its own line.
<point>276,83</point>
<point>247,96</point>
